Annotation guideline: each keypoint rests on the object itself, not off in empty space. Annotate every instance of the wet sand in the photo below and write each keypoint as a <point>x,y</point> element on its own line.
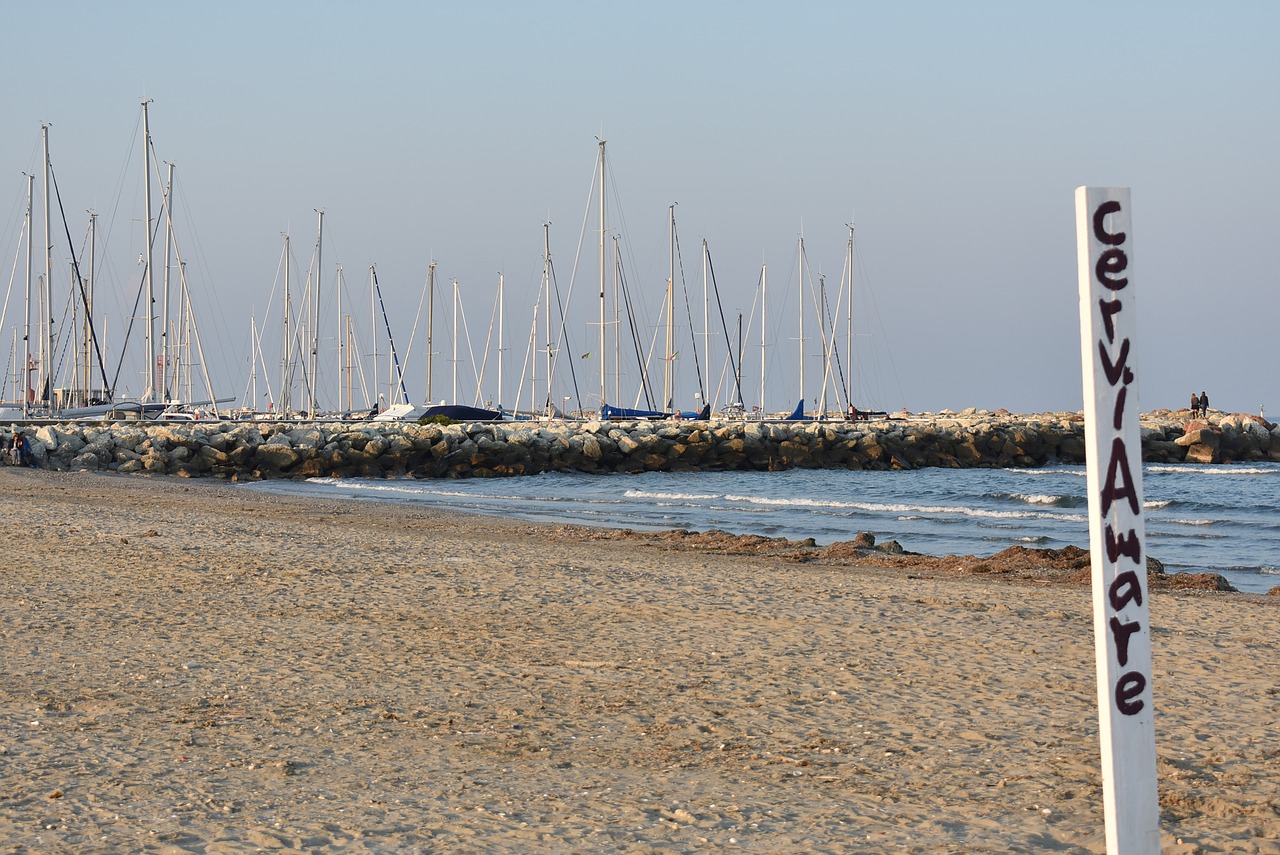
<point>189,666</point>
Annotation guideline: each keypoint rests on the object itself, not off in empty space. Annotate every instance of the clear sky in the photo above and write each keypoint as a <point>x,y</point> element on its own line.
<point>952,135</point>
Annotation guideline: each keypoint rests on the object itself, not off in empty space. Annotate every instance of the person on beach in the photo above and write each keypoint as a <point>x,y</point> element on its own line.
<point>19,451</point>
<point>1204,405</point>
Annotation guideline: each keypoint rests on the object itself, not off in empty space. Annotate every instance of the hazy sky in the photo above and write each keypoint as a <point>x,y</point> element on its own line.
<point>951,134</point>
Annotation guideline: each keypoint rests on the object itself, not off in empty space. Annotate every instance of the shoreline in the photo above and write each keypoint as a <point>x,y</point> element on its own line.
<point>192,666</point>
<point>1065,562</point>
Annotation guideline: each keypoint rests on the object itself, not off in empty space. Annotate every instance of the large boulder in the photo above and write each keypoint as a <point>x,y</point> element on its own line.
<point>276,456</point>
<point>1202,453</point>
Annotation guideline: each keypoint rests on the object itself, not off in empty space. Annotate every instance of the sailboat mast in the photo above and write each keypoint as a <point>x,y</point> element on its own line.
<point>341,339</point>
<point>801,278</point>
<point>706,318</point>
<point>346,343</point>
<point>826,349</point>
<point>315,316</point>
<point>286,378</point>
<point>617,321</point>
<point>344,372</point>
<point>500,308</point>
<point>46,292</point>
<point>341,316</point>
<point>668,374</point>
<point>737,380</point>
<point>26,321</point>
<point>546,291</point>
<point>603,398</point>
<point>431,323</point>
<point>151,299</point>
<point>373,320</point>
<point>88,309</point>
<point>848,331</point>
<point>253,363</point>
<point>764,335</point>
<point>455,341</point>
<point>166,345</point>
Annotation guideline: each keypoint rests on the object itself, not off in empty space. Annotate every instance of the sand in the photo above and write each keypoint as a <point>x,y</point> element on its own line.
<point>192,666</point>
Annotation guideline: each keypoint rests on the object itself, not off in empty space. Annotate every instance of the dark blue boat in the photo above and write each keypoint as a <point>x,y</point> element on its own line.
<point>608,413</point>
<point>460,413</point>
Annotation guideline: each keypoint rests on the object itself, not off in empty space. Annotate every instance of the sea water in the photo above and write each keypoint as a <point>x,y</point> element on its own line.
<point>1219,518</point>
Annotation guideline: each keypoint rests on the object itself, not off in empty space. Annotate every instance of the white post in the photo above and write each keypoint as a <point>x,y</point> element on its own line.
<point>1121,623</point>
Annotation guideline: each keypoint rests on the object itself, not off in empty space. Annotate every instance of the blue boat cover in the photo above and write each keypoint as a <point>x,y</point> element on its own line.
<point>459,413</point>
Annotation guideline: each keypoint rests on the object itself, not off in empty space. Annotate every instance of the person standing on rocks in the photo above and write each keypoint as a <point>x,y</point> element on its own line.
<point>1195,405</point>
<point>1204,405</point>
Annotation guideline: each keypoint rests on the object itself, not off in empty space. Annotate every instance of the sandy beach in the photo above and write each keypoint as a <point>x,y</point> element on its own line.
<point>191,666</point>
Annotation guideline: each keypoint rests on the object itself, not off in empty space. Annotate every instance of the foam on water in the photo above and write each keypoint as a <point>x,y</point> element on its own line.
<point>1194,518</point>
<point>1210,470</point>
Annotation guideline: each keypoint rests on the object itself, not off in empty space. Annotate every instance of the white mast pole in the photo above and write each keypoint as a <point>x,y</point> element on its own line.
<point>253,362</point>
<point>315,315</point>
<point>800,263</point>
<point>88,311</point>
<point>706,317</point>
<point>343,374</point>
<point>826,348</point>
<point>286,374</point>
<point>151,299</point>
<point>500,308</point>
<point>668,375</point>
<point>166,346</point>
<point>431,323</point>
<point>546,290</point>
<point>341,316</point>
<point>26,321</point>
<point>848,331</point>
<point>764,302</point>
<point>455,341</point>
<point>617,321</point>
<point>346,341</point>
<point>45,374</point>
<point>603,398</point>
<point>373,320</point>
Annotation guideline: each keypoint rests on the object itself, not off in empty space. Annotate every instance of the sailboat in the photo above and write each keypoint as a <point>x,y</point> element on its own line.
<point>403,410</point>
<point>89,391</point>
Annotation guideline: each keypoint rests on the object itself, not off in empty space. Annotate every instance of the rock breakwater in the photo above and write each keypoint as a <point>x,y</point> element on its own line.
<point>258,450</point>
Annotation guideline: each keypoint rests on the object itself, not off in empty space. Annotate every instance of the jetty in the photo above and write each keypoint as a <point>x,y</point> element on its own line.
<point>252,450</point>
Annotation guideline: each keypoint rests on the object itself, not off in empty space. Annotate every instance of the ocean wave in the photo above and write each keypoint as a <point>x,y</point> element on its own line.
<point>676,497</point>
<point>419,491</point>
<point>1041,499</point>
<point>1210,470</point>
<point>1016,541</point>
<point>389,488</point>
<point>1246,568</point>
<point>1157,504</point>
<point>1038,499</point>
<point>1184,535</point>
<point>895,508</point>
